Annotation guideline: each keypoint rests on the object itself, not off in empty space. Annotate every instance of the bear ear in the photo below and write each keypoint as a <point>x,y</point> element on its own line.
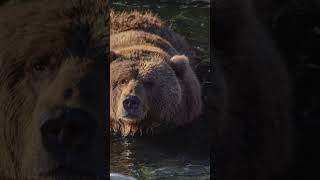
<point>179,64</point>
<point>113,56</point>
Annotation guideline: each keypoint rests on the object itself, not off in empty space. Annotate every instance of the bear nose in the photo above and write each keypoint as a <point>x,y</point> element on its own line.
<point>131,102</point>
<point>71,129</point>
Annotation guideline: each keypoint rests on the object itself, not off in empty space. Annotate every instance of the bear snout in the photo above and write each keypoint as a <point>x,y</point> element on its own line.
<point>131,102</point>
<point>132,108</point>
<point>68,131</point>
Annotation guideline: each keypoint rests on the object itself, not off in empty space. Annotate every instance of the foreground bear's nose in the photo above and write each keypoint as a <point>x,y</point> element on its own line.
<point>131,102</point>
<point>69,130</point>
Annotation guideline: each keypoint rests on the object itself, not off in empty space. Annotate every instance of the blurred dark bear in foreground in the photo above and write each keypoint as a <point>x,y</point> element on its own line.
<point>253,132</point>
<point>53,90</point>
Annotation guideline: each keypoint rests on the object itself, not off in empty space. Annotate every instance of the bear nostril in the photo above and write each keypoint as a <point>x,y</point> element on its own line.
<point>55,132</point>
<point>131,102</point>
<point>68,93</point>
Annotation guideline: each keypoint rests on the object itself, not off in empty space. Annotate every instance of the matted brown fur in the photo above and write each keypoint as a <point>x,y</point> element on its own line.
<point>149,23</point>
<point>46,48</point>
<point>145,51</point>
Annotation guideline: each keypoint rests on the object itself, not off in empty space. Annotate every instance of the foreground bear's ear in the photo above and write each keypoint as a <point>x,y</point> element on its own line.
<point>113,56</point>
<point>179,64</point>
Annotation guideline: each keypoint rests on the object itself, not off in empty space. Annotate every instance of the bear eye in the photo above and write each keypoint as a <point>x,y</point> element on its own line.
<point>124,81</point>
<point>40,66</point>
<point>148,84</point>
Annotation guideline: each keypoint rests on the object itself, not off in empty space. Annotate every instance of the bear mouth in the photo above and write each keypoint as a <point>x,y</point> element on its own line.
<point>133,116</point>
<point>131,119</point>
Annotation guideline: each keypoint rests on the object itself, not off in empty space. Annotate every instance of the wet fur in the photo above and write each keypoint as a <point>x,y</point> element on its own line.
<point>145,42</point>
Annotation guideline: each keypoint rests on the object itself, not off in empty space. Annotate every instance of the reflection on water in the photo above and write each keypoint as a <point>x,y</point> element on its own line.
<point>164,158</point>
<point>146,159</point>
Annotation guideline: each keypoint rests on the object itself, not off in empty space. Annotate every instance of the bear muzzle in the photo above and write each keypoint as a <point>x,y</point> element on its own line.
<point>67,135</point>
<point>132,109</point>
<point>68,128</point>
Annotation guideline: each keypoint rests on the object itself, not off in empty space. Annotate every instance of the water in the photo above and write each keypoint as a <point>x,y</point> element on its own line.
<point>166,158</point>
<point>152,159</point>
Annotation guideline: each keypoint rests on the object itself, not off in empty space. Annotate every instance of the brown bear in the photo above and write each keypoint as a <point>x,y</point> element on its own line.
<point>152,84</point>
<point>53,94</point>
<point>253,135</point>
